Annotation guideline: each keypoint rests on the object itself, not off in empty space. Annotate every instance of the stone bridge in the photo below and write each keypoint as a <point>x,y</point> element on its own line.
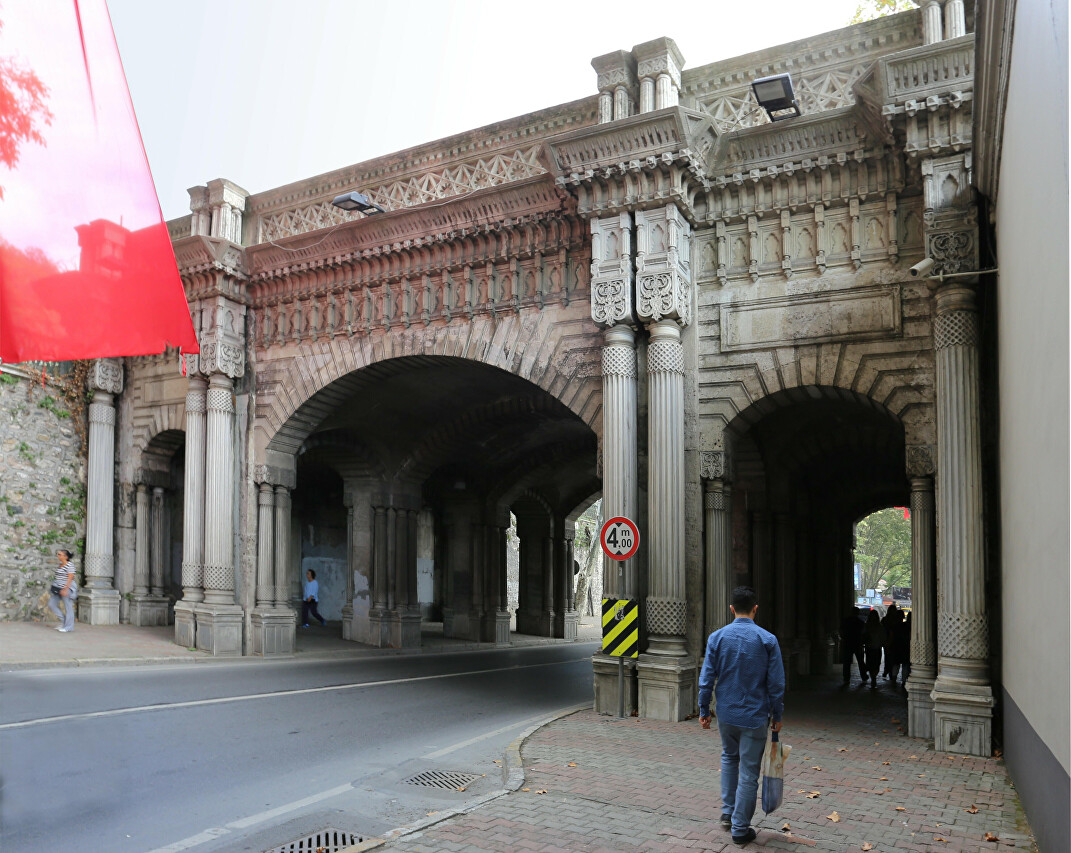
<point>653,294</point>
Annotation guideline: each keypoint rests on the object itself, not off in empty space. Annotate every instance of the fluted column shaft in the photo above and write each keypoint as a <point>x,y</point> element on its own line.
<point>923,601</point>
<point>718,540</point>
<point>411,561</point>
<point>281,580</point>
<point>647,95</point>
<point>193,512</point>
<point>666,598</point>
<point>619,429</point>
<point>931,22</point>
<point>620,103</point>
<point>785,543</point>
<point>100,505</point>
<point>379,566</point>
<point>141,541</point>
<point>962,623</point>
<point>665,92</point>
<point>955,19</point>
<point>159,540</point>
<point>219,492</point>
<point>606,107</point>
<point>265,545</point>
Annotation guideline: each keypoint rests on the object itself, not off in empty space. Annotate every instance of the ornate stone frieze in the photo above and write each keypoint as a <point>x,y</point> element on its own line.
<point>823,135</point>
<point>663,265</point>
<point>107,375</point>
<point>920,73</point>
<point>615,69</point>
<point>920,460</point>
<point>611,269</point>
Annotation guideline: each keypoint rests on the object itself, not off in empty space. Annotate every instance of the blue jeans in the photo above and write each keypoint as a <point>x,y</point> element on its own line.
<point>741,760</point>
<point>66,618</point>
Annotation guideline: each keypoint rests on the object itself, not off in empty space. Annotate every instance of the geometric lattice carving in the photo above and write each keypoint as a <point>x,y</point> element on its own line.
<point>716,501</point>
<point>665,357</point>
<point>922,654</point>
<point>665,616</point>
<point>195,402</point>
<point>963,635</point>
<point>955,329</point>
<point>192,575</point>
<point>429,186</point>
<point>99,566</point>
<point>619,361</point>
<point>102,413</point>
<point>220,400</point>
<point>219,577</point>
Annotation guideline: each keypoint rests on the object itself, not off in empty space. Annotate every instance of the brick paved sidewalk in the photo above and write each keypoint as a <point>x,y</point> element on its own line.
<point>639,785</point>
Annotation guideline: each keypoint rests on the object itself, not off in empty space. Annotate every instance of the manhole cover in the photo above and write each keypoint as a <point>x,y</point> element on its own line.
<point>439,779</point>
<point>324,841</point>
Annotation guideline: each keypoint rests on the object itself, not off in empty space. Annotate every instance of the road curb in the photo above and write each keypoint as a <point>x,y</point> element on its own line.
<point>513,767</point>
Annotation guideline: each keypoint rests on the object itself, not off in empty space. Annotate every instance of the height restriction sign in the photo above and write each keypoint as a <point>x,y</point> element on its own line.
<point>620,538</point>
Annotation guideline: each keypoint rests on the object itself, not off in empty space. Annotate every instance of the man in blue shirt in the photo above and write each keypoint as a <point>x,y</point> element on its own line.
<point>743,668</point>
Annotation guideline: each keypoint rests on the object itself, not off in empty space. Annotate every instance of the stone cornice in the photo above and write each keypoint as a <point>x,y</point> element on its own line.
<point>996,21</point>
<point>202,254</point>
<point>941,70</point>
<point>492,209</point>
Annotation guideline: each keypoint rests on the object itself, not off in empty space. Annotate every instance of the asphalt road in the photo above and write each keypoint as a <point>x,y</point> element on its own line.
<point>253,754</point>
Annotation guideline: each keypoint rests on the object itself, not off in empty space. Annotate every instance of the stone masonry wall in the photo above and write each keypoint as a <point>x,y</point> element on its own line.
<point>42,490</point>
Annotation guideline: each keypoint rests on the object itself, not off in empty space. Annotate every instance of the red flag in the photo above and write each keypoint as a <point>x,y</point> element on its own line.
<point>86,265</point>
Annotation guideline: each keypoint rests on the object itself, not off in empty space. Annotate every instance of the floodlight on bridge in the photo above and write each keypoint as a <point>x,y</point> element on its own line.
<point>775,95</point>
<point>357,201</point>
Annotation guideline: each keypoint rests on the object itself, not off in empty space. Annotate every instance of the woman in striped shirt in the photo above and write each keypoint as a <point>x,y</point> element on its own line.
<point>64,589</point>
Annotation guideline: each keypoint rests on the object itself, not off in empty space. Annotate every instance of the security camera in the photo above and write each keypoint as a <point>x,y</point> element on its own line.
<point>923,267</point>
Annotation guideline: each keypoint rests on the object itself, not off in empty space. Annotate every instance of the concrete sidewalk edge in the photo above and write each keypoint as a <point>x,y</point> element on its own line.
<point>513,766</point>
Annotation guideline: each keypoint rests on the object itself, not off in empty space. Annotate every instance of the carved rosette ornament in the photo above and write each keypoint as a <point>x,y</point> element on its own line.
<point>663,267</point>
<point>611,301</point>
<point>920,460</point>
<point>714,465</point>
<point>952,251</point>
<point>611,270</point>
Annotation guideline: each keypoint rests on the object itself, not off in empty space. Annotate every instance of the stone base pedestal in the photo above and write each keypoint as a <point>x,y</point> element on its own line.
<point>185,624</point>
<point>919,705</point>
<point>463,624</point>
<point>495,628</point>
<point>219,629</point>
<point>149,610</point>
<point>962,717</point>
<point>405,631</point>
<point>605,670</point>
<point>274,631</point>
<point>448,621</point>
<point>347,621</point>
<point>532,622</point>
<point>379,624</point>
<point>566,625</point>
<point>666,687</point>
<point>98,606</point>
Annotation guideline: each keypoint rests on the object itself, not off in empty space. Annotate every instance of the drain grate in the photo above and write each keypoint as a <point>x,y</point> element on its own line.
<point>324,841</point>
<point>439,779</point>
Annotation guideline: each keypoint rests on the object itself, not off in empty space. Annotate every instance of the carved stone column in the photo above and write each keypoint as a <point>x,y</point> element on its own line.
<point>923,601</point>
<point>962,694</point>
<point>141,543</point>
<point>762,566</point>
<point>219,619</point>
<point>617,83</point>
<point>955,19</point>
<point>717,526</point>
<point>379,615</point>
<point>148,607</point>
<point>281,578</point>
<point>273,623</point>
<point>405,615</point>
<point>658,65</point>
<point>193,511</point>
<point>931,21</point>
<point>496,619</point>
<point>99,602</point>
<point>785,560</point>
<point>349,501</point>
<point>159,540</point>
<point>566,619</point>
<point>265,545</point>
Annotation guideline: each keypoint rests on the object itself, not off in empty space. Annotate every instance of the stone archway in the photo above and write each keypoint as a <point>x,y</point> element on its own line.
<point>430,454</point>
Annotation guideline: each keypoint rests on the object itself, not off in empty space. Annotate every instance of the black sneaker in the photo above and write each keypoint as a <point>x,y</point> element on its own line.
<point>727,821</point>
<point>746,838</point>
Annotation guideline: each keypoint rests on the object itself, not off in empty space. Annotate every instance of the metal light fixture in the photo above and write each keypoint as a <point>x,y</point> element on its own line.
<point>357,201</point>
<point>775,95</point>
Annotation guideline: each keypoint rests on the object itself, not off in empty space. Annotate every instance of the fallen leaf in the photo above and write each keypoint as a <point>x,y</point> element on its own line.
<point>867,845</point>
<point>434,812</point>
<point>894,721</point>
<point>876,743</point>
<point>888,790</point>
<point>526,789</point>
<point>886,763</point>
<point>801,791</point>
<point>814,795</point>
<point>912,756</point>
<point>921,775</point>
<point>484,775</point>
<point>842,749</point>
<point>939,838</point>
<point>884,731</point>
<point>541,792</point>
<point>462,788</point>
<point>992,836</point>
<point>498,761</point>
<point>997,753</point>
<point>884,779</point>
<point>570,764</point>
<point>786,827</point>
<point>833,817</point>
<point>816,767</point>
<point>972,810</point>
<point>901,809</point>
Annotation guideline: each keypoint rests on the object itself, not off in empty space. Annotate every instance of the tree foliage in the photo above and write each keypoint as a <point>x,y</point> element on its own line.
<point>883,548</point>
<point>23,111</point>
<point>868,10</point>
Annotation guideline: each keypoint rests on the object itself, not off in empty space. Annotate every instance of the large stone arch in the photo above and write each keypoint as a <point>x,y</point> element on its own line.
<point>560,355</point>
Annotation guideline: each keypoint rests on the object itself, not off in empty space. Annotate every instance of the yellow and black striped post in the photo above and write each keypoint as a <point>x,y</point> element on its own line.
<point>620,638</point>
<point>620,627</point>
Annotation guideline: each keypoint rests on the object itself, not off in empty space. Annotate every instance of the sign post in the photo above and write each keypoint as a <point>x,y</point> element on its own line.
<point>620,538</point>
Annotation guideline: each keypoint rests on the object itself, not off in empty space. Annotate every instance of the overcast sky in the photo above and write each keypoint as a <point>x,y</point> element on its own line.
<point>265,92</point>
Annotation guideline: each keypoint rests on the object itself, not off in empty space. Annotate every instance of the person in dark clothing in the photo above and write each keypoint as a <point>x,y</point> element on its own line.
<point>902,642</point>
<point>887,622</point>
<point>851,645</point>
<point>894,650</point>
<point>874,640</point>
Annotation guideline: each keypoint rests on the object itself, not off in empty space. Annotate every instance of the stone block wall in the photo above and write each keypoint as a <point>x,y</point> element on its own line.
<point>42,489</point>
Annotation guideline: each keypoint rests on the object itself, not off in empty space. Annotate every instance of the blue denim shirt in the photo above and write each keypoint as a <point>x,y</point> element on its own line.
<point>744,661</point>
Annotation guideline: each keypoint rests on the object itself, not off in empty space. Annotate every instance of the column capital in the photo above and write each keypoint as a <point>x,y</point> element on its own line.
<point>714,466</point>
<point>663,265</point>
<point>611,269</point>
<point>920,460</point>
<point>659,56</point>
<point>107,376</point>
<point>223,339</point>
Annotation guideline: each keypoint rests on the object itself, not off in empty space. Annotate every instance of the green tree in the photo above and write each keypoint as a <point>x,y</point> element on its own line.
<point>883,548</point>
<point>868,10</point>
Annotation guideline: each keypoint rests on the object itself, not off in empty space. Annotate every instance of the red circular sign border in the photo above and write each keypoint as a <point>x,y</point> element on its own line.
<point>635,535</point>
